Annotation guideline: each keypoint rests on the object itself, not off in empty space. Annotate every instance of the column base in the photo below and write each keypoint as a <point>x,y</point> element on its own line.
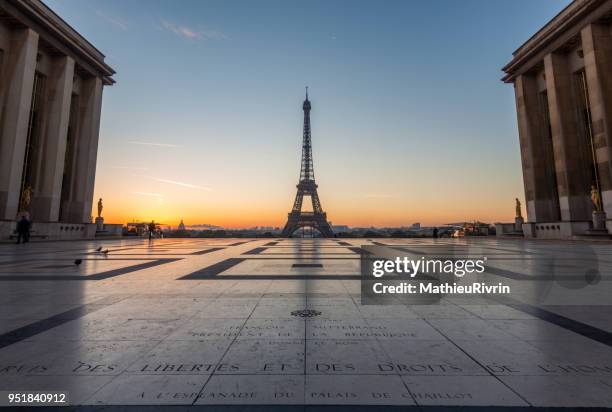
<point>599,221</point>
<point>51,231</point>
<point>518,224</point>
<point>578,230</point>
<point>99,224</point>
<point>508,230</point>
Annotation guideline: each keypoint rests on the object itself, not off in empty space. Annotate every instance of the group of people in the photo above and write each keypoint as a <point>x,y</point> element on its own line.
<point>154,230</point>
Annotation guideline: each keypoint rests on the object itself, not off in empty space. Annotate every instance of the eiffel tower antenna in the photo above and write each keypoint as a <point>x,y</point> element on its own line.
<point>317,219</point>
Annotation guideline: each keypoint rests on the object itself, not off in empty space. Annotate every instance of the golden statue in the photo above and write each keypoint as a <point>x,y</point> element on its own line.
<point>100,207</point>
<point>596,198</point>
<point>26,198</point>
<point>519,214</point>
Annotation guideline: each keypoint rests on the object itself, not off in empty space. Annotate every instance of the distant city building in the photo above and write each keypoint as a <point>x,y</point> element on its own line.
<point>181,226</point>
<point>415,226</point>
<point>340,228</point>
<point>51,81</point>
<point>562,78</point>
<point>135,228</point>
<point>205,226</point>
<point>263,228</point>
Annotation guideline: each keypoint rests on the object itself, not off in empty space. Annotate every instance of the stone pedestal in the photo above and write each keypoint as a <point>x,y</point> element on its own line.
<point>99,224</point>
<point>518,224</point>
<point>599,220</point>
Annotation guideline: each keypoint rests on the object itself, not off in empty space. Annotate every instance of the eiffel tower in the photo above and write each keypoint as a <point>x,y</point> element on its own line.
<point>317,219</point>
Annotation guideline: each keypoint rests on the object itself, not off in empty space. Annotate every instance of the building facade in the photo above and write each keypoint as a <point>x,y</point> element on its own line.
<point>51,82</point>
<point>562,78</point>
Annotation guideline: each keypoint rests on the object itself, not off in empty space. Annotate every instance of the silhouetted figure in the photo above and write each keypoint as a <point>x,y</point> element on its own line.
<point>23,230</point>
<point>435,233</point>
<point>151,229</point>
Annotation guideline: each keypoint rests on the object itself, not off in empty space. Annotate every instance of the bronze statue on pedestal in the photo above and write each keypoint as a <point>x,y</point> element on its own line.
<point>519,214</point>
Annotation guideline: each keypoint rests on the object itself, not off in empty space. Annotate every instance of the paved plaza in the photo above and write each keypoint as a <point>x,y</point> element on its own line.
<point>279,322</point>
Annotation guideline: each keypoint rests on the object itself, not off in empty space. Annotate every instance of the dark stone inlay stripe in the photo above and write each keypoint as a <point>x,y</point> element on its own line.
<point>43,325</point>
<point>255,251</point>
<point>344,243</point>
<point>239,243</point>
<point>575,326</point>
<point>357,250</point>
<point>447,250</point>
<point>130,269</point>
<point>400,248</point>
<point>275,277</point>
<point>203,252</point>
<point>318,247</point>
<point>271,244</point>
<point>97,276</point>
<point>307,265</point>
<point>267,257</point>
<point>521,276</point>
<point>215,269</point>
<point>298,253</point>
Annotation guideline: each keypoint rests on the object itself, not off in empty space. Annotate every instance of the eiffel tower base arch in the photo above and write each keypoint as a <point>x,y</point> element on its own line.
<point>298,220</point>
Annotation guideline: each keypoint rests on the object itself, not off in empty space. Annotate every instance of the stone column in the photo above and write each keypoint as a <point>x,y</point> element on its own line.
<point>597,48</point>
<point>78,207</point>
<point>572,171</point>
<point>18,78</point>
<point>47,194</point>
<point>537,159</point>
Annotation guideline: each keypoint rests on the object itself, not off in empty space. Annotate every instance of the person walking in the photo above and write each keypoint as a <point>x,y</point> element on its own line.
<point>23,230</point>
<point>151,229</point>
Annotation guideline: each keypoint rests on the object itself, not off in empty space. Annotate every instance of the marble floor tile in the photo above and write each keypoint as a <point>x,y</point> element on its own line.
<point>423,357</point>
<point>150,390</point>
<point>260,356</point>
<point>356,390</point>
<point>352,357</point>
<point>181,357</point>
<point>253,390</point>
<point>561,391</point>
<point>461,391</point>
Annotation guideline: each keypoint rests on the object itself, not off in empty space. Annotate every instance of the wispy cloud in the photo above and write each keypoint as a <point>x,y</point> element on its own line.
<point>155,144</point>
<point>149,194</point>
<point>120,23</point>
<point>380,195</point>
<point>133,168</point>
<point>173,182</point>
<point>183,184</point>
<point>191,33</point>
